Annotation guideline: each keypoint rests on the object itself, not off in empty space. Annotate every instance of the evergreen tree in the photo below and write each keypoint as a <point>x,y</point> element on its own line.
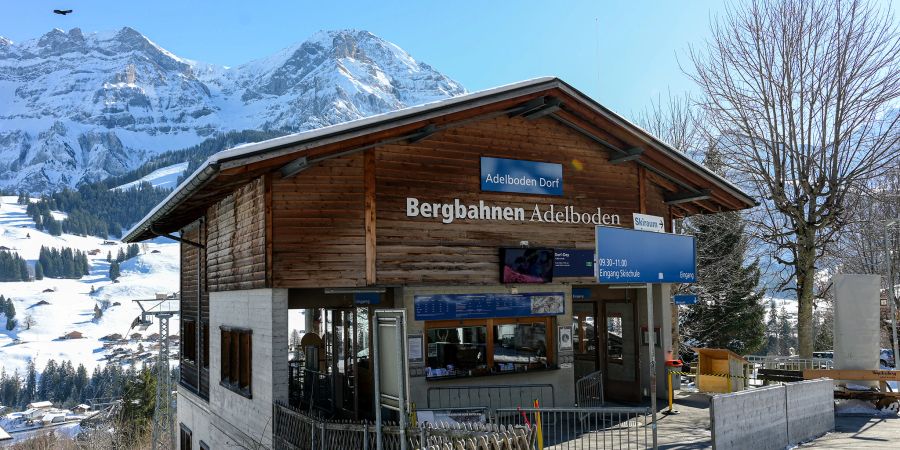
<point>788,339</point>
<point>120,256</point>
<point>825,331</point>
<point>38,271</point>
<point>772,330</point>
<point>109,256</point>
<point>114,270</point>
<point>12,267</point>
<point>30,382</point>
<point>729,312</point>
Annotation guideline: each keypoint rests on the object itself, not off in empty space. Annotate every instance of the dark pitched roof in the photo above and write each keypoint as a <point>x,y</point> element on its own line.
<point>222,172</point>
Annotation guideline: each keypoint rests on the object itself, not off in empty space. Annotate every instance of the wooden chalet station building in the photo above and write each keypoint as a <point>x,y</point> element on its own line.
<point>475,214</point>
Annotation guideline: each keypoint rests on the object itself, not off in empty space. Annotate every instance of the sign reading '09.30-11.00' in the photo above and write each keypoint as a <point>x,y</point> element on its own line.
<point>526,177</point>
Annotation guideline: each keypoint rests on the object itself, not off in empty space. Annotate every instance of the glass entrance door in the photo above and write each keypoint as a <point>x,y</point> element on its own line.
<point>587,358</point>
<point>620,351</point>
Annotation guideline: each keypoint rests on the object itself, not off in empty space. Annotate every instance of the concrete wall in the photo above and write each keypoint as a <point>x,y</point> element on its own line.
<point>810,409</point>
<point>193,412</point>
<point>856,315</point>
<point>772,417</point>
<point>749,419</point>
<point>241,421</point>
<point>563,379</point>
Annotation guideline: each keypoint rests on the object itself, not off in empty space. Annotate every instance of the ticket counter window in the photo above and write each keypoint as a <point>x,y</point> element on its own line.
<point>488,346</point>
<point>459,351</point>
<point>520,346</point>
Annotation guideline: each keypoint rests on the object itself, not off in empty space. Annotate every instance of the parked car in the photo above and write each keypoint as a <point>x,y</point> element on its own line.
<point>827,354</point>
<point>887,357</point>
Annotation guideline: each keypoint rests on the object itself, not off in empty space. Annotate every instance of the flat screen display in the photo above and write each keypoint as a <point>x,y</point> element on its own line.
<point>526,265</point>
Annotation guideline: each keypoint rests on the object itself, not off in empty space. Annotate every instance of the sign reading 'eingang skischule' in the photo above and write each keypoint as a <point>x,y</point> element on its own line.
<point>457,210</point>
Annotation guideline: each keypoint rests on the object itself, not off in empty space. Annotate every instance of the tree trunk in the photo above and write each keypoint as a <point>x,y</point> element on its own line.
<point>806,278</point>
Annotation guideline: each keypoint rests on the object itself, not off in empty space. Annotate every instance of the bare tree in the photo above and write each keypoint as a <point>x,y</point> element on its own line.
<point>29,321</point>
<point>799,92</point>
<point>675,121</point>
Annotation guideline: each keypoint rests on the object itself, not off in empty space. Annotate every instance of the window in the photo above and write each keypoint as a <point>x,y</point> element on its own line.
<point>185,437</point>
<point>188,340</point>
<point>457,351</point>
<point>204,345</point>
<point>490,346</point>
<point>237,359</point>
<point>520,346</point>
<point>614,341</point>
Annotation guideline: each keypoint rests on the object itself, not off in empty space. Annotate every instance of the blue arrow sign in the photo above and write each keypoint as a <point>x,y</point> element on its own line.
<point>685,299</point>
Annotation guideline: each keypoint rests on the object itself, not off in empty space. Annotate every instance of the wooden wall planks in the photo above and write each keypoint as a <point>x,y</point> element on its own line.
<point>236,242</point>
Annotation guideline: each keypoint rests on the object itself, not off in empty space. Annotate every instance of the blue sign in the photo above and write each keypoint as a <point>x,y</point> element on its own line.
<point>481,306</point>
<point>685,299</point>
<point>573,263</point>
<point>367,298</point>
<point>634,256</point>
<point>526,177</point>
<point>581,293</point>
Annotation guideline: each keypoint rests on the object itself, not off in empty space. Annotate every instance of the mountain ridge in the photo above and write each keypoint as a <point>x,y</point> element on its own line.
<point>82,107</point>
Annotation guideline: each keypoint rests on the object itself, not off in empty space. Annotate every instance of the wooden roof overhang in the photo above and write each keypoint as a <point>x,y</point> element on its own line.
<point>693,189</point>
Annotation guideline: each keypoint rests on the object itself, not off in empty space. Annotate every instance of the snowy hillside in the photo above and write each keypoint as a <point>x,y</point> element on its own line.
<point>70,304</point>
<point>166,178</point>
<point>80,107</point>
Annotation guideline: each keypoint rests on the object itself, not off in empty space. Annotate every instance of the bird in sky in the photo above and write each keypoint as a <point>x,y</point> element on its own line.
<point>62,12</point>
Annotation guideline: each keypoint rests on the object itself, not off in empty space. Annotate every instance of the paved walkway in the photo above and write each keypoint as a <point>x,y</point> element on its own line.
<point>860,432</point>
<point>690,429</point>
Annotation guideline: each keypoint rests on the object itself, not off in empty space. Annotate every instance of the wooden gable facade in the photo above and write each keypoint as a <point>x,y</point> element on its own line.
<point>340,219</point>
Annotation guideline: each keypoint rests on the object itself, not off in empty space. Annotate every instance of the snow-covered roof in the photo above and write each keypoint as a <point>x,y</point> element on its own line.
<point>41,404</point>
<point>297,143</point>
<point>4,435</point>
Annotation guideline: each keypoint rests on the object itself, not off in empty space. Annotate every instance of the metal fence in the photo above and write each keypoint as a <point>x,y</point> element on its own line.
<point>589,390</point>
<point>309,389</point>
<point>789,362</point>
<point>491,397</point>
<point>583,428</point>
<point>297,430</point>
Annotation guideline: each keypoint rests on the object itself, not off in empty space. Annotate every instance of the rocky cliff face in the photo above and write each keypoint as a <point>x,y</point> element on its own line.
<point>79,107</point>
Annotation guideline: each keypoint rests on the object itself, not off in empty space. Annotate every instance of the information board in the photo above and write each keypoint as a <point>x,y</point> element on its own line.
<point>570,262</point>
<point>634,256</point>
<point>481,306</point>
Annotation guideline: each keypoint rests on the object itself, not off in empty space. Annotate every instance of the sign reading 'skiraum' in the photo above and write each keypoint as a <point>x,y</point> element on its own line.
<point>526,177</point>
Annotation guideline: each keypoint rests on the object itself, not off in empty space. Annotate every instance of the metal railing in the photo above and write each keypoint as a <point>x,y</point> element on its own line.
<point>583,428</point>
<point>297,430</point>
<point>491,397</point>
<point>789,362</point>
<point>589,390</point>
<point>309,389</point>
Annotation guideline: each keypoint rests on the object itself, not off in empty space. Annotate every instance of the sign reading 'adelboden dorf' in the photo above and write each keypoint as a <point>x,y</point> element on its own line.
<point>526,177</point>
<point>513,175</point>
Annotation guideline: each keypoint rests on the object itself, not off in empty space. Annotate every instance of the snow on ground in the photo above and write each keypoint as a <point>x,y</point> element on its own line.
<point>70,303</point>
<point>167,177</point>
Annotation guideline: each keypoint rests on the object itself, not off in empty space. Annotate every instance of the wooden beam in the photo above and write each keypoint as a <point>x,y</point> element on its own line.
<point>630,155</point>
<point>551,106</point>
<point>370,207</point>
<point>270,228</point>
<point>853,374</point>
<point>687,196</point>
<point>642,189</point>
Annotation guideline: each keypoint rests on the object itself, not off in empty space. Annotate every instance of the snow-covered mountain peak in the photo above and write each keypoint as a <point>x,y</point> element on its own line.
<point>82,106</point>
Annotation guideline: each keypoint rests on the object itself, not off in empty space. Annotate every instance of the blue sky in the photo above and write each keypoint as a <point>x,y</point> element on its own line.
<point>621,53</point>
